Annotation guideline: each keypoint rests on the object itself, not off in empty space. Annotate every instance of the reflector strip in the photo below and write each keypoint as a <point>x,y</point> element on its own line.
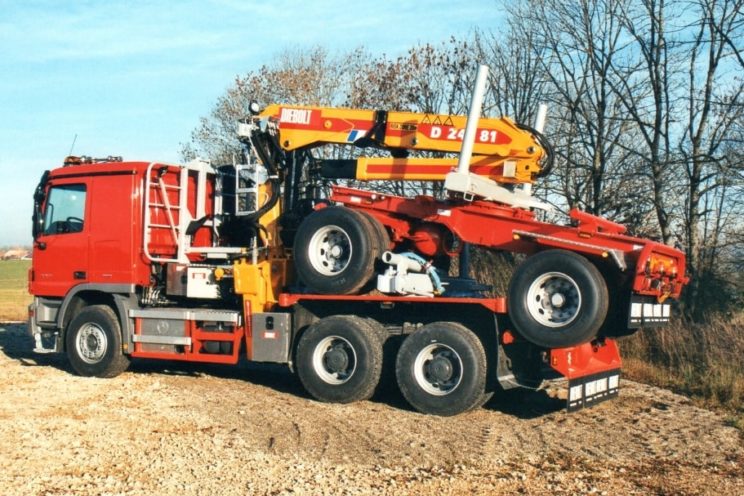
<point>587,391</point>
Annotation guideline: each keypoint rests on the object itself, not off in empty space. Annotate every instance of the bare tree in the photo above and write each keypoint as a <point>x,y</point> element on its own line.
<point>645,89</point>
<point>579,44</point>
<point>713,109</point>
<point>518,82</point>
<point>306,77</point>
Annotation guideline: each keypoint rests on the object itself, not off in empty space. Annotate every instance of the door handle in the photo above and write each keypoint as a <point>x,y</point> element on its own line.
<point>41,245</point>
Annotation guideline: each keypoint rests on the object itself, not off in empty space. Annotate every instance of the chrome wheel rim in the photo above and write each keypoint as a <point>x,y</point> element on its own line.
<point>91,343</point>
<point>438,369</point>
<point>330,250</point>
<point>554,299</point>
<point>334,360</point>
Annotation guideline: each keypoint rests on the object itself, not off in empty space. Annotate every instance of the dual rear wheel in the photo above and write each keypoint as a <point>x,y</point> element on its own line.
<point>440,369</point>
<point>557,299</point>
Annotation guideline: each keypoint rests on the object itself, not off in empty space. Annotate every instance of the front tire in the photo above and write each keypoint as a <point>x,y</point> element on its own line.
<point>557,299</point>
<point>339,359</point>
<point>94,344</point>
<point>441,369</point>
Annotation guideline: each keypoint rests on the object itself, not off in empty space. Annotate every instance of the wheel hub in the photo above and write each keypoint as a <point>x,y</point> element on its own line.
<point>557,300</point>
<point>330,250</point>
<point>554,299</point>
<point>440,369</point>
<point>91,343</point>
<point>336,360</point>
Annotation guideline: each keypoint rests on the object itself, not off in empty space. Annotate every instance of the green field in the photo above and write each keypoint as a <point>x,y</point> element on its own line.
<point>14,297</point>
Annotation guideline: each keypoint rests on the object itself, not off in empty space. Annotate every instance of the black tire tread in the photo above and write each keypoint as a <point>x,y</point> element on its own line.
<point>383,238</point>
<point>343,393</point>
<point>458,401</point>
<point>116,362</point>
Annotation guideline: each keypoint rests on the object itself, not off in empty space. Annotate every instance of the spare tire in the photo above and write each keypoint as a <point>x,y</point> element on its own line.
<point>335,250</point>
<point>557,299</point>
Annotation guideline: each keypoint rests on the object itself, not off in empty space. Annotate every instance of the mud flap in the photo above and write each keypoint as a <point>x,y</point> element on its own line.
<point>590,390</point>
<point>592,370</point>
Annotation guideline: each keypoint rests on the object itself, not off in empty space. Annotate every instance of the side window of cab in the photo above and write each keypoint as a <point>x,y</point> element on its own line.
<point>65,209</point>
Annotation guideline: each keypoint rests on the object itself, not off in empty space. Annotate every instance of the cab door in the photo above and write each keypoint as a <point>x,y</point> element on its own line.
<point>60,259</point>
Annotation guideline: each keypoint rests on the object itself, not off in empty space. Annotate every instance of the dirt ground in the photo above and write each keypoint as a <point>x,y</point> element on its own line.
<point>179,429</point>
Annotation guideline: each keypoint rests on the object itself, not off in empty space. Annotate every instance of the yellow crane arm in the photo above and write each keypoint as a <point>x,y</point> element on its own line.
<point>503,150</point>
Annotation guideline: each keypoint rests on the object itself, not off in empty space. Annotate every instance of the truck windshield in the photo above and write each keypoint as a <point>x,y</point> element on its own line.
<point>65,209</point>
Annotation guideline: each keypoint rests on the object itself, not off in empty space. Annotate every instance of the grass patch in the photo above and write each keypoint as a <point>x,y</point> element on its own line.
<point>14,297</point>
<point>703,361</point>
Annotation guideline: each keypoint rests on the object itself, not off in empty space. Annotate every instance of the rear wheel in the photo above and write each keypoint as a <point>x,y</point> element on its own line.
<point>339,359</point>
<point>94,344</point>
<point>441,369</point>
<point>335,250</point>
<point>557,299</point>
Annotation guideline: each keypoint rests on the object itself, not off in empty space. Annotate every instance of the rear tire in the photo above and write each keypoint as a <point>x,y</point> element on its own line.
<point>94,344</point>
<point>339,359</point>
<point>557,299</point>
<point>335,250</point>
<point>441,369</point>
<point>383,238</point>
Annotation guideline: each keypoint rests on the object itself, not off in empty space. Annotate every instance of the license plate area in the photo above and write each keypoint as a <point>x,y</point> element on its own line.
<point>587,391</point>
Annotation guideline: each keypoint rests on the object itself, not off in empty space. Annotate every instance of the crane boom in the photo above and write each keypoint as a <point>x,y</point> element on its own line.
<point>504,151</point>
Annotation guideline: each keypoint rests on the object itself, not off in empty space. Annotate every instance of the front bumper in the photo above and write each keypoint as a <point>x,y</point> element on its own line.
<point>46,339</point>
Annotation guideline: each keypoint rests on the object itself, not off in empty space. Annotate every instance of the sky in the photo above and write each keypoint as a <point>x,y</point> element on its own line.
<point>132,78</point>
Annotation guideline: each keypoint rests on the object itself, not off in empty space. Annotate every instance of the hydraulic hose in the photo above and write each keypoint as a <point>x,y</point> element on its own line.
<point>549,160</point>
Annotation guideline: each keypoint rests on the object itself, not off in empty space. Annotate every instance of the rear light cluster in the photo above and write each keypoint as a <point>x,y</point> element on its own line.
<point>661,265</point>
<point>662,276</point>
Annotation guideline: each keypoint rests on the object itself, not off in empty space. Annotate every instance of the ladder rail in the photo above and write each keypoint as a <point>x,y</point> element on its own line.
<point>178,226</point>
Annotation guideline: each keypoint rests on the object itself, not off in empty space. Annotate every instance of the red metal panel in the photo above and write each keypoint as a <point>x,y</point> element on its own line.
<point>513,229</point>
<point>115,235</point>
<point>60,260</point>
<point>586,359</point>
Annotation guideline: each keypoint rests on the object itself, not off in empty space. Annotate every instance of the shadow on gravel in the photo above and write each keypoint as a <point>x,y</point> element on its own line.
<point>17,345</point>
<point>525,404</point>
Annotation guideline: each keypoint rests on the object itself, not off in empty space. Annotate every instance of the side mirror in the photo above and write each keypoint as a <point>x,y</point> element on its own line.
<point>37,219</point>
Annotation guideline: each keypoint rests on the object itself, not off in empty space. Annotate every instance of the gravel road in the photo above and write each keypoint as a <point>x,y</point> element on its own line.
<point>181,429</point>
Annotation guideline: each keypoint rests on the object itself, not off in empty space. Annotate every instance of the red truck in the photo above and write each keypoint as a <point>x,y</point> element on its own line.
<point>270,260</point>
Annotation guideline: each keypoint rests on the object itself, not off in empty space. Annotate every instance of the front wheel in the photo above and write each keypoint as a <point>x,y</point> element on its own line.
<point>441,369</point>
<point>94,345</point>
<point>339,359</point>
<point>557,299</point>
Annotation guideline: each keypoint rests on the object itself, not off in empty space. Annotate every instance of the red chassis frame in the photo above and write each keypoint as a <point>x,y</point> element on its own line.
<point>657,269</point>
